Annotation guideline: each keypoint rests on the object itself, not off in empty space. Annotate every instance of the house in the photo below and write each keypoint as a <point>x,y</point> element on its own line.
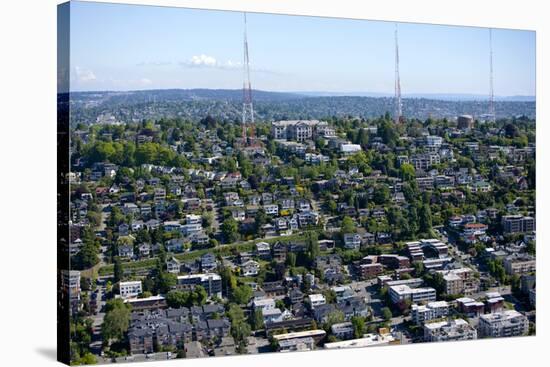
<point>274,315</point>
<point>199,239</point>
<point>144,249</point>
<point>274,289</point>
<point>325,245</point>
<point>279,252</point>
<point>295,296</point>
<point>316,300</point>
<point>123,229</point>
<point>126,250</point>
<point>218,328</point>
<point>250,268</point>
<point>342,293</point>
<point>343,330</point>
<point>174,245</point>
<point>353,306</point>
<point>263,304</point>
<point>238,214</point>
<point>352,241</point>
<point>322,312</point>
<point>173,265</point>
<point>208,262</point>
<point>263,250</point>
<point>271,209</point>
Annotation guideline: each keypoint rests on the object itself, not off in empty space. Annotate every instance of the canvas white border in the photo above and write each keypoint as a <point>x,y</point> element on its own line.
<point>28,180</point>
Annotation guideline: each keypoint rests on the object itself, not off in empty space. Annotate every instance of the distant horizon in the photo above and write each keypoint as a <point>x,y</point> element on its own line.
<point>322,93</point>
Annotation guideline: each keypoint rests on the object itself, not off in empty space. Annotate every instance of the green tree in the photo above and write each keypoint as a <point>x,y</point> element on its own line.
<point>335,317</point>
<point>291,259</point>
<point>118,271</point>
<point>381,194</point>
<point>358,326</point>
<point>116,320</point>
<point>386,314</point>
<point>348,226</point>
<point>165,281</point>
<point>312,245</point>
<point>242,294</point>
<point>229,230</point>
<point>257,319</point>
<point>407,172</point>
<point>425,219</point>
<point>388,133</point>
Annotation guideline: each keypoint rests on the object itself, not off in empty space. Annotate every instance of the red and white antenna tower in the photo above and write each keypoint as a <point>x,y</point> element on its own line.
<point>398,113</point>
<point>248,109</point>
<point>492,116</point>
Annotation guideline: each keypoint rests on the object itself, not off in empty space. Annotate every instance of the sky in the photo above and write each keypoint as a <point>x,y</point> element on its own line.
<point>131,47</point>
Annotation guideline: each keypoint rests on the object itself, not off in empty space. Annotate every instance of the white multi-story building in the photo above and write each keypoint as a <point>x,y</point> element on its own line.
<point>451,330</point>
<point>401,293</point>
<point>317,300</point>
<point>431,311</point>
<point>264,304</point>
<point>130,289</point>
<point>300,130</point>
<point>503,324</point>
<point>348,148</point>
<point>433,141</point>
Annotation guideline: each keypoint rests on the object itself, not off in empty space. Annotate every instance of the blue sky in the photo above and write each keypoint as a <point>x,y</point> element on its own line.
<point>128,47</point>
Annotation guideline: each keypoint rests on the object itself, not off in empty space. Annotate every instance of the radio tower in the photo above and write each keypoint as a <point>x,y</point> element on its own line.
<point>398,112</point>
<point>248,110</point>
<point>492,116</point>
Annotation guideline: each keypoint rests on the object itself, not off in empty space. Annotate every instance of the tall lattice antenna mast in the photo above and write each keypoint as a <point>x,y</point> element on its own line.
<point>248,109</point>
<point>398,111</point>
<point>492,116</point>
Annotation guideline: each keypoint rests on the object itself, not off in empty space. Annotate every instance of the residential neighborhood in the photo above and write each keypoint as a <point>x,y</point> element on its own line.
<point>188,240</point>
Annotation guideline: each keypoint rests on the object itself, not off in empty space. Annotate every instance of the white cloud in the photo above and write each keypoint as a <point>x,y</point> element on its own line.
<point>84,75</point>
<point>146,81</point>
<point>203,60</point>
<point>206,61</point>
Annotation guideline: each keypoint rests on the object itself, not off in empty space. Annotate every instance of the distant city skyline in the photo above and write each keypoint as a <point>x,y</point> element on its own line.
<point>131,47</point>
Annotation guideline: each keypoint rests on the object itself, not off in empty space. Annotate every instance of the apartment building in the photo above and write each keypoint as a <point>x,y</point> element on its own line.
<point>449,330</point>
<point>431,311</point>
<point>211,282</point>
<point>460,281</point>
<point>402,293</point>
<point>517,224</point>
<point>518,264</point>
<point>503,324</point>
<point>130,289</point>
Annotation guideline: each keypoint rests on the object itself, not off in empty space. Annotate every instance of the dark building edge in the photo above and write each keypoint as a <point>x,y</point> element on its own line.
<point>63,167</point>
